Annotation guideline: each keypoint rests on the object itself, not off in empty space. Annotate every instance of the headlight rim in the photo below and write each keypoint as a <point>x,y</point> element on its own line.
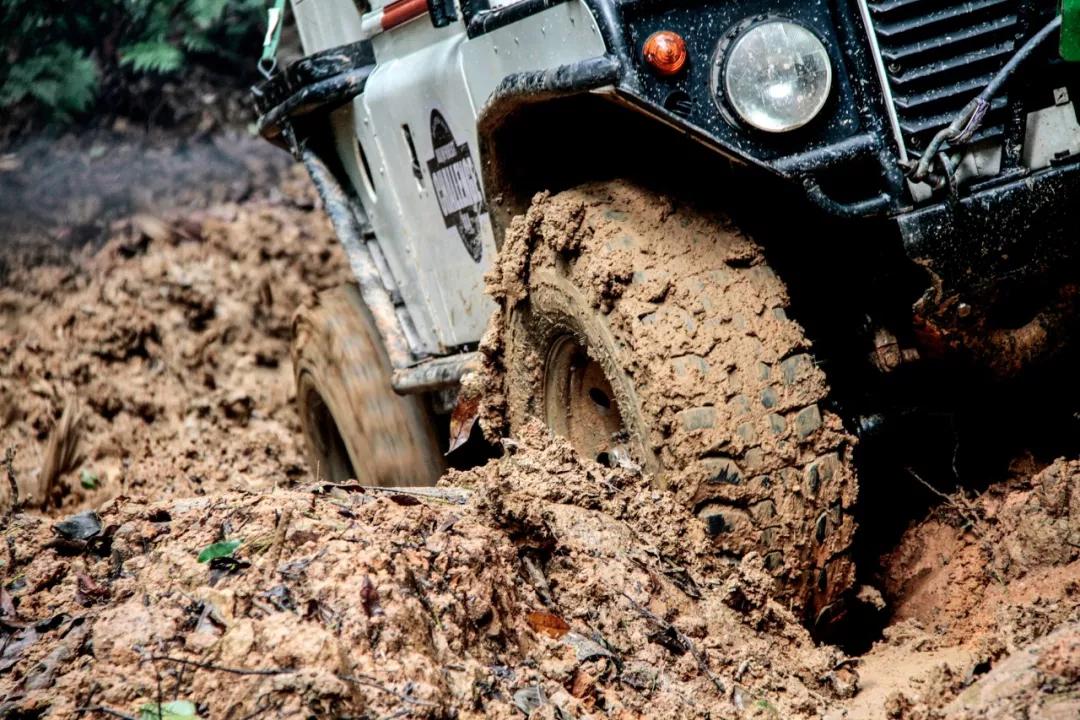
<point>718,74</point>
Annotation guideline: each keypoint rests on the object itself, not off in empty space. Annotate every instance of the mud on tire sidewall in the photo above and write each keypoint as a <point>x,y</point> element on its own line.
<point>339,362</point>
<point>796,505</point>
<point>555,309</point>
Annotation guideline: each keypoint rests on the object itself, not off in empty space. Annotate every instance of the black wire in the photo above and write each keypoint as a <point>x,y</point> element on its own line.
<point>971,117</point>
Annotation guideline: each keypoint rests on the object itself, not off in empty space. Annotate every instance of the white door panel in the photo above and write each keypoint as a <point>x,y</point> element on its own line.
<point>325,24</point>
<point>428,210</point>
<point>440,241</point>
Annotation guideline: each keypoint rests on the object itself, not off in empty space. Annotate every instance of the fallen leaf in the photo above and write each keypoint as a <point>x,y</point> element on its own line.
<point>406,500</point>
<point>369,597</point>
<point>175,710</point>
<point>15,645</point>
<point>79,527</point>
<point>87,591</point>
<point>465,414</point>
<point>551,625</point>
<point>529,699</point>
<point>43,674</point>
<point>88,480</point>
<point>281,598</point>
<point>586,649</point>
<point>219,550</point>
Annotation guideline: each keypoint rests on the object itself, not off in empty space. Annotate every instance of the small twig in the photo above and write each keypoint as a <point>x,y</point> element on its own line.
<point>685,642</point>
<point>539,581</point>
<point>222,668</point>
<point>160,698</point>
<point>9,465</point>
<point>106,710</point>
<point>931,488</point>
<point>374,684</point>
<point>964,510</point>
<point>418,589</point>
<point>448,495</point>
<point>179,681</point>
<point>278,544</point>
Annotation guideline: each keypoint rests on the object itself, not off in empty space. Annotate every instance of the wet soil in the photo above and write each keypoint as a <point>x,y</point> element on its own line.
<point>121,367</point>
<point>147,379</point>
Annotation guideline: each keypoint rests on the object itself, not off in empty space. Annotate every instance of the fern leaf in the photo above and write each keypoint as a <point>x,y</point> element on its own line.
<point>206,13</point>
<point>155,56</point>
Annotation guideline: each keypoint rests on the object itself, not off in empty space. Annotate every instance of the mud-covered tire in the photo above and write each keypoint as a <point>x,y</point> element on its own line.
<point>718,392</point>
<point>355,425</point>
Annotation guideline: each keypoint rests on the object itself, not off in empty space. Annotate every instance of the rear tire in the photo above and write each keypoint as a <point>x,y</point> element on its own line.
<point>356,427</point>
<point>709,384</point>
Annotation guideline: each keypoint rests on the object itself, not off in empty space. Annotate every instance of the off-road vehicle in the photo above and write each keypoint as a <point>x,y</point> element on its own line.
<point>615,167</point>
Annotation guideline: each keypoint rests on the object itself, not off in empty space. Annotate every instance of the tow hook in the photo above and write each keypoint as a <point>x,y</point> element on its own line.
<point>888,355</point>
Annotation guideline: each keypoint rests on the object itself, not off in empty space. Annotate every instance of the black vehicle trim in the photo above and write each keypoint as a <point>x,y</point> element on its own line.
<point>485,21</point>
<point>323,95</point>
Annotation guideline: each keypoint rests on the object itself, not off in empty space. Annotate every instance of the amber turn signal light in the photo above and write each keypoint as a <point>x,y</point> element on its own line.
<point>665,52</point>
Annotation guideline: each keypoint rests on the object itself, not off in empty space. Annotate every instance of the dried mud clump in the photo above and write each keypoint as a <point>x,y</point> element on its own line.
<point>159,365</point>
<point>556,589</point>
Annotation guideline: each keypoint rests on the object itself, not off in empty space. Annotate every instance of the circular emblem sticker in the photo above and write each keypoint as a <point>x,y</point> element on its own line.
<point>457,185</point>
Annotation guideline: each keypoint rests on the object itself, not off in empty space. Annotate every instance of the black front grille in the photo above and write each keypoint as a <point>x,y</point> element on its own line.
<point>938,55</point>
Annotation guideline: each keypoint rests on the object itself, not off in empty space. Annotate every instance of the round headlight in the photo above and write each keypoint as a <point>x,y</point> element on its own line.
<point>776,76</point>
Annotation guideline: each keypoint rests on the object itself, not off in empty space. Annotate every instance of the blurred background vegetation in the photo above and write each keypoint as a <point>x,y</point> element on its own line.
<point>147,61</point>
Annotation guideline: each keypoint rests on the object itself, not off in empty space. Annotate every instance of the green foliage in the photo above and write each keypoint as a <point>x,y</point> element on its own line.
<point>88,479</point>
<point>218,550</point>
<point>58,53</point>
<point>175,710</point>
<point>152,56</point>
<point>59,77</point>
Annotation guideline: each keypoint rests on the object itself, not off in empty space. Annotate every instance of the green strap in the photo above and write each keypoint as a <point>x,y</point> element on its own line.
<point>1070,30</point>
<point>275,19</point>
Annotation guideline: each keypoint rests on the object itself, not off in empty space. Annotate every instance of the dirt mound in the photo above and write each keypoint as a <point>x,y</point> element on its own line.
<point>985,602</point>
<point>1040,681</point>
<point>159,365</point>
<point>1005,563</point>
<point>555,588</point>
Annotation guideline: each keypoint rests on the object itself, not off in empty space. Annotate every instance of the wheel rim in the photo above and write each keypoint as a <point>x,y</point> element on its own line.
<point>580,404</point>
<point>329,450</point>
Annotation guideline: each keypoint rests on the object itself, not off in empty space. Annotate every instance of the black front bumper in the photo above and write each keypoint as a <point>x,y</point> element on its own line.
<point>1012,231</point>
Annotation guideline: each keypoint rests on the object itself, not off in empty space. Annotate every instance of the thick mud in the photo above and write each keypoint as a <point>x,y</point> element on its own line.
<point>149,381</point>
<point>158,366</point>
<point>553,590</point>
